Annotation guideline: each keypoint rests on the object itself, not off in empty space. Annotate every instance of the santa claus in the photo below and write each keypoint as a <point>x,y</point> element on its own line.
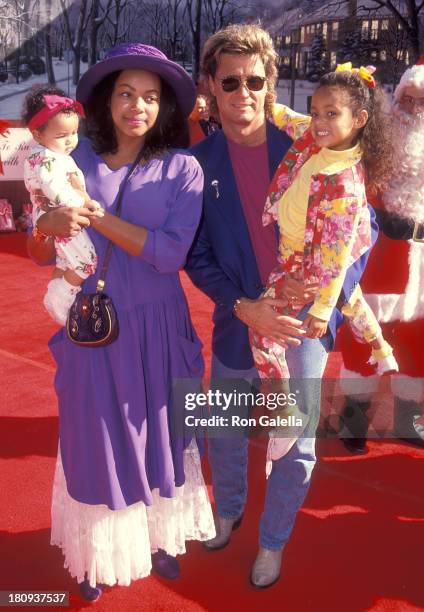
<point>393,281</point>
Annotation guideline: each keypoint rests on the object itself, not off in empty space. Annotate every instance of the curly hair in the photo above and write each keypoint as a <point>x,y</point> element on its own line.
<point>242,39</point>
<point>170,128</point>
<point>34,102</point>
<point>375,136</point>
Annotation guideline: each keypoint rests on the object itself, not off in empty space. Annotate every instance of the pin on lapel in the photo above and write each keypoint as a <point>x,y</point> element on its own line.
<point>215,184</point>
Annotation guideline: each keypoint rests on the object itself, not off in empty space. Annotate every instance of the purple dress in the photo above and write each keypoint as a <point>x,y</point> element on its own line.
<point>115,402</point>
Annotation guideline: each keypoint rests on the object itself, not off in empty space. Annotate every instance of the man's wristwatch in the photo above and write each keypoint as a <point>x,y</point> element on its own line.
<point>236,307</point>
<point>39,236</point>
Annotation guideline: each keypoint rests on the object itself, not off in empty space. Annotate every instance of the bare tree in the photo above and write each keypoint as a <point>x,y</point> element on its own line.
<point>27,29</point>
<point>153,15</point>
<point>120,17</point>
<point>194,11</point>
<point>35,44</point>
<point>219,13</point>
<point>17,17</point>
<point>5,32</point>
<point>410,21</point>
<point>75,40</point>
<point>174,25</point>
<point>98,16</point>
<point>395,52</point>
<point>60,32</point>
<point>48,43</point>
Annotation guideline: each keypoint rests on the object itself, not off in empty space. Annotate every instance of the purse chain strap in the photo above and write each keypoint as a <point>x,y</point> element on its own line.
<point>102,277</point>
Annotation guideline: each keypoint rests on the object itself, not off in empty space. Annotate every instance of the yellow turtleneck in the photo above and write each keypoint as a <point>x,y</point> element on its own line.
<point>293,205</point>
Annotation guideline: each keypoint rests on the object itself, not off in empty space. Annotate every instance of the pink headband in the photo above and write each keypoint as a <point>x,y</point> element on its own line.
<point>53,105</point>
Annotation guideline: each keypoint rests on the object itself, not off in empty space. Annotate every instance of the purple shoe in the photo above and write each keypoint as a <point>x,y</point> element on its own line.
<point>90,593</point>
<point>165,565</point>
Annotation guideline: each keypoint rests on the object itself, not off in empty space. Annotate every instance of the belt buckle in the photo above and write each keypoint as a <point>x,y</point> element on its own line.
<point>418,229</point>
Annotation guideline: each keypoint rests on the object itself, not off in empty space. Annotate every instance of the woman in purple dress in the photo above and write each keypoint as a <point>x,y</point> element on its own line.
<point>128,491</point>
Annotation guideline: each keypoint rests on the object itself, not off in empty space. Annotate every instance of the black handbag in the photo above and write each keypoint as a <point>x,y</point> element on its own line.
<point>92,319</point>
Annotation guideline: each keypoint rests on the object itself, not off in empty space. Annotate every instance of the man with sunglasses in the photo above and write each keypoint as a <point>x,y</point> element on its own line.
<point>394,281</point>
<point>230,261</point>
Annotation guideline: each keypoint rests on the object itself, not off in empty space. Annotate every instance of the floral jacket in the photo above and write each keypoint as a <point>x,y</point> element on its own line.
<point>51,173</point>
<point>338,227</point>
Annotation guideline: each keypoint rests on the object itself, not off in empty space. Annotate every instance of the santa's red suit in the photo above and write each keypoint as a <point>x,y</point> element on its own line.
<point>393,282</point>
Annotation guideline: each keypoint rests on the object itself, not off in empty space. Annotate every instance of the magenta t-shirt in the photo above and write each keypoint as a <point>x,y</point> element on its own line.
<point>251,171</point>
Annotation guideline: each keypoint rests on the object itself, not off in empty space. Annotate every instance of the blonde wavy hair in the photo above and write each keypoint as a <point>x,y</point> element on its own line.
<point>241,39</point>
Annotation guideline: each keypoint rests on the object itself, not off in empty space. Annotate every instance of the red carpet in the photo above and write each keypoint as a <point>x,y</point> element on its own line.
<point>358,542</point>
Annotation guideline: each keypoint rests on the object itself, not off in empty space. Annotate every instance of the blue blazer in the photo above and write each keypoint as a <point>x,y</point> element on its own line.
<point>221,261</point>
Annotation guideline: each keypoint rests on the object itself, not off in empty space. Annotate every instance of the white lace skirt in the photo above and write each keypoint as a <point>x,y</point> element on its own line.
<point>115,546</point>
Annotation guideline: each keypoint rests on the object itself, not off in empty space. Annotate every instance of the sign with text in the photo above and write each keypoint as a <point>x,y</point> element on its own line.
<point>14,148</point>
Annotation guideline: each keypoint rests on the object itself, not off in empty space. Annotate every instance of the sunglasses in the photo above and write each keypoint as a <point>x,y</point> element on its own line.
<point>233,82</point>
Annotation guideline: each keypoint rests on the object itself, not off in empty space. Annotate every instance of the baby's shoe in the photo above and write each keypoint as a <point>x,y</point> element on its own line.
<point>387,364</point>
<point>59,298</point>
<point>384,360</point>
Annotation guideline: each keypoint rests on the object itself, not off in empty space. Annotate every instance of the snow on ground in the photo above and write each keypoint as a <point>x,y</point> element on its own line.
<point>303,89</point>
<point>10,107</point>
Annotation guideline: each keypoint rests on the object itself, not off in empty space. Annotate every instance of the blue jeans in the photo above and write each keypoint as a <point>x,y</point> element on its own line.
<point>290,477</point>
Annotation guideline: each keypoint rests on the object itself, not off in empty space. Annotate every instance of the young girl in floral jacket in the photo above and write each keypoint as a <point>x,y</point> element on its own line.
<point>318,198</point>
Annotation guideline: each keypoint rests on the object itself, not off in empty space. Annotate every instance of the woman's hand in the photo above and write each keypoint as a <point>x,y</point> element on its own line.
<point>298,294</point>
<point>315,328</point>
<point>94,207</point>
<point>262,317</point>
<point>66,222</point>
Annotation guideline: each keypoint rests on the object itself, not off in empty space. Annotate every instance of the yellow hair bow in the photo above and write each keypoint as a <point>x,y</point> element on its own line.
<point>365,73</point>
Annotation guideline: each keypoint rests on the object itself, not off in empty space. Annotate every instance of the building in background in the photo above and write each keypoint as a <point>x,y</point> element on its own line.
<point>314,41</point>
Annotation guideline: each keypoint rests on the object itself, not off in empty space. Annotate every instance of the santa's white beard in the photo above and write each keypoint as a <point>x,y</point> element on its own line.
<point>404,195</point>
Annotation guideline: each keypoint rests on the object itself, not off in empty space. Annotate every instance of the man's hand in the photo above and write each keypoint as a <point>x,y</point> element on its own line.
<point>66,222</point>
<point>262,317</point>
<point>298,294</point>
<point>315,328</point>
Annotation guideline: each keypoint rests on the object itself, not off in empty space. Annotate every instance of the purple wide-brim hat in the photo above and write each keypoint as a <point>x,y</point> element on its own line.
<point>130,56</point>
